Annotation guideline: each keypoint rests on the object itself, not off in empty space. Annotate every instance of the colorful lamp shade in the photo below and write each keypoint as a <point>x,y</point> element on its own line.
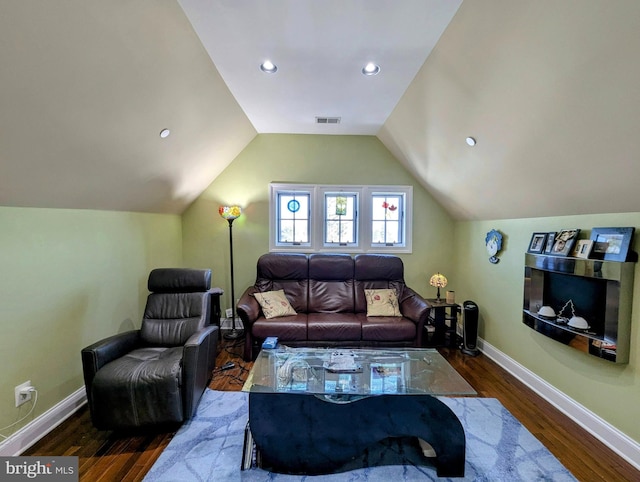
<point>230,212</point>
<point>438,280</point>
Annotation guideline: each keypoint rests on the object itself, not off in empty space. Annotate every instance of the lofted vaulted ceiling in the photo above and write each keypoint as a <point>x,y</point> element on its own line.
<point>320,49</point>
<point>550,90</point>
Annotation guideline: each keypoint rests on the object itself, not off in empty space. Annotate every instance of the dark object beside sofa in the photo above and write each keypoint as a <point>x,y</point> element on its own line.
<point>155,375</point>
<point>327,293</point>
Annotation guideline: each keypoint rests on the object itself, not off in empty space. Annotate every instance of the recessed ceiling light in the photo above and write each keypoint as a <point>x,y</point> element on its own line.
<point>370,69</point>
<point>268,67</point>
<point>471,141</point>
<point>164,133</point>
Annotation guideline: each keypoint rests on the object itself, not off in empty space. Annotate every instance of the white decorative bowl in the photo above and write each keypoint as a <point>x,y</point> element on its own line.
<point>547,312</point>
<point>578,322</point>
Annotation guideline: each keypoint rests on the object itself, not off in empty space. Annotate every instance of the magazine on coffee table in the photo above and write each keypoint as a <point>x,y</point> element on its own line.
<point>387,378</point>
<point>341,361</point>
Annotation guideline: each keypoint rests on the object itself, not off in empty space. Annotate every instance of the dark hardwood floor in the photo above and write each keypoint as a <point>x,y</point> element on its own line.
<point>107,456</point>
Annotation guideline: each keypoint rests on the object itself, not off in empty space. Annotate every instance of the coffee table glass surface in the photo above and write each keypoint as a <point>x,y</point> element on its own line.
<point>355,372</point>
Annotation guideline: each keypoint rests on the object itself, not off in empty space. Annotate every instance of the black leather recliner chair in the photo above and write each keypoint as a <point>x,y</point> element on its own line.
<point>157,374</point>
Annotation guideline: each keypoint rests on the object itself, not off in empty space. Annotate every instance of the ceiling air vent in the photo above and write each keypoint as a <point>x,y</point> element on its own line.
<point>327,120</point>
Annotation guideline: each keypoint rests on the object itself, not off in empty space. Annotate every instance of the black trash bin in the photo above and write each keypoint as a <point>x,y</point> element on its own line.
<point>470,328</point>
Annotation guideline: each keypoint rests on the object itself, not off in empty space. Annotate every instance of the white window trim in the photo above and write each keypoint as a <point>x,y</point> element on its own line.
<point>407,224</point>
<point>364,218</point>
<point>273,213</point>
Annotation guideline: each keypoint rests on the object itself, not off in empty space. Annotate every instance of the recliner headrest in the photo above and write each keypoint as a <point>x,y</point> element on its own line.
<point>179,280</point>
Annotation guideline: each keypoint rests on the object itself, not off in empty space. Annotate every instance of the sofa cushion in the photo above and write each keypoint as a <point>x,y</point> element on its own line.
<point>288,272</point>
<point>334,327</point>
<point>378,267</point>
<point>387,328</point>
<point>382,302</point>
<point>376,271</point>
<point>274,304</point>
<point>330,283</point>
<point>287,328</point>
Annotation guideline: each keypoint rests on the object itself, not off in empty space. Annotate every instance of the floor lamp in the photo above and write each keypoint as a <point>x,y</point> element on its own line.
<point>230,213</point>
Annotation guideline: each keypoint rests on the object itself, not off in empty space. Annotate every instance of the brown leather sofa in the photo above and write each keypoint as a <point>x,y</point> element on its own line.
<point>327,293</point>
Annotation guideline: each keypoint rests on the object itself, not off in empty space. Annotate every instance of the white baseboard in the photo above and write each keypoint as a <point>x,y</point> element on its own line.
<point>620,443</point>
<point>225,323</point>
<point>28,435</point>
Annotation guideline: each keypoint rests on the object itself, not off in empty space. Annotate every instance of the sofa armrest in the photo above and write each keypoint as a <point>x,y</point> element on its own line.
<point>414,306</point>
<point>198,361</point>
<point>248,307</point>
<point>248,310</point>
<point>97,355</point>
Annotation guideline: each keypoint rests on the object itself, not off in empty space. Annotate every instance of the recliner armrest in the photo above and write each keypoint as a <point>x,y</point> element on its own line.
<point>97,355</point>
<point>198,362</point>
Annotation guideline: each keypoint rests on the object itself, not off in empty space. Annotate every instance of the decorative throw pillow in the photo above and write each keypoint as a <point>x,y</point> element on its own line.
<point>382,303</point>
<point>274,303</point>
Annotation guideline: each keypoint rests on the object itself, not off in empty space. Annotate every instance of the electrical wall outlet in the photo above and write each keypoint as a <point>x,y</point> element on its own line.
<point>23,393</point>
<point>229,312</point>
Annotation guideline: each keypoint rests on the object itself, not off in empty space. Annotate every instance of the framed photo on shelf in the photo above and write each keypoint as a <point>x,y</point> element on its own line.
<point>611,244</point>
<point>564,241</point>
<point>551,237</point>
<point>536,245</point>
<point>583,248</point>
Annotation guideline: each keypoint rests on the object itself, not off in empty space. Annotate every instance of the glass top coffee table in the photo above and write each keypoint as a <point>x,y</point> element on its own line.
<point>356,372</point>
<point>313,409</point>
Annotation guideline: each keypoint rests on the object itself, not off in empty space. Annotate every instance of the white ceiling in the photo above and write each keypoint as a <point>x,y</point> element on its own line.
<point>320,48</point>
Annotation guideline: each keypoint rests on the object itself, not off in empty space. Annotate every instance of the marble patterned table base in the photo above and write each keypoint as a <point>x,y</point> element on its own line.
<point>308,434</point>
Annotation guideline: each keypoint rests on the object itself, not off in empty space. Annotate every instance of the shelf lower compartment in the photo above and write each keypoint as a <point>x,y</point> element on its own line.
<point>563,326</point>
<point>582,340</point>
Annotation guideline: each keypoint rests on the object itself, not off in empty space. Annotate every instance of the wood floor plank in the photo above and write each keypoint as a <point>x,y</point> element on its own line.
<point>108,457</point>
<point>581,453</point>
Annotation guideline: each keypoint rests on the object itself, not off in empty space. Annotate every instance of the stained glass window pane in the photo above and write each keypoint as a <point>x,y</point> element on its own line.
<point>293,217</point>
<point>340,214</point>
<point>387,211</point>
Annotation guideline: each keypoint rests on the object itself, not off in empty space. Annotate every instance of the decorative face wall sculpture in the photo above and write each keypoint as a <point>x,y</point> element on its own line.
<point>493,243</point>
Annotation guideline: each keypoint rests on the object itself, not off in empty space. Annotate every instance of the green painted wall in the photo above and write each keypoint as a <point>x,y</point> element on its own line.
<point>305,159</point>
<point>609,390</point>
<point>69,278</point>
<point>68,275</point>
